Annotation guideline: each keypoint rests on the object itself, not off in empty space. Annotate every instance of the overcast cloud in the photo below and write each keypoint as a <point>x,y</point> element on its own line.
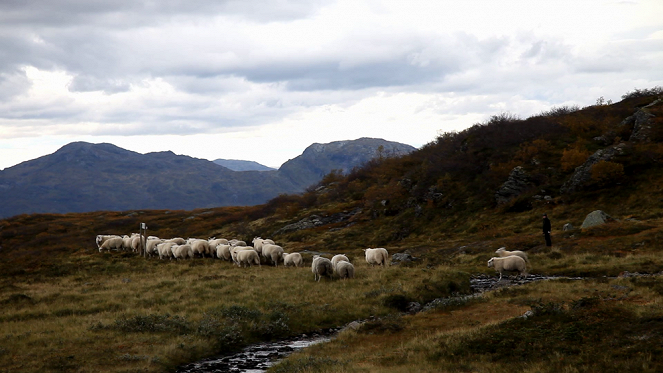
<point>206,78</point>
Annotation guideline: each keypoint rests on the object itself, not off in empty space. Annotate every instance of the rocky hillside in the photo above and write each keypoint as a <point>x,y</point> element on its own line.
<point>83,177</point>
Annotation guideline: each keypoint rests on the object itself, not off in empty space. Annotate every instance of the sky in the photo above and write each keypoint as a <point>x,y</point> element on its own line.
<point>261,80</point>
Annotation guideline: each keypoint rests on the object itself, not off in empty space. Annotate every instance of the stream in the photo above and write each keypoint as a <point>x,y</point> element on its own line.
<point>259,357</point>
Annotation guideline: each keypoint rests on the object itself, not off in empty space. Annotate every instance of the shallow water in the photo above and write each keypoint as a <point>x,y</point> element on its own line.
<point>255,358</point>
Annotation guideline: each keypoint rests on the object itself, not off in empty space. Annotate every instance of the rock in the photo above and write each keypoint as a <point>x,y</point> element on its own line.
<point>401,257</point>
<point>316,221</point>
<point>515,185</point>
<point>641,123</point>
<point>567,227</point>
<point>583,173</point>
<point>595,218</point>
<point>413,307</point>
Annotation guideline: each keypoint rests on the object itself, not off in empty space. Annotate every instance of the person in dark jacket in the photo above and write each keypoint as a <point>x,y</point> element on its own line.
<point>547,229</point>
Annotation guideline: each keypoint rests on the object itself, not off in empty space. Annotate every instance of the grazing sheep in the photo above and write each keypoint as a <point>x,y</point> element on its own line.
<point>126,242</point>
<point>235,242</point>
<point>214,242</point>
<point>339,258</point>
<point>101,238</point>
<point>267,240</point>
<point>503,253</point>
<point>177,240</point>
<point>257,244</point>
<point>248,257</point>
<point>135,243</point>
<point>151,246</point>
<point>165,250</point>
<point>345,270</point>
<point>113,243</point>
<point>378,256</point>
<point>508,263</point>
<point>223,252</point>
<point>236,249</point>
<point>273,253</point>
<point>199,246</point>
<point>294,259</point>
<point>182,251</point>
<point>321,267</point>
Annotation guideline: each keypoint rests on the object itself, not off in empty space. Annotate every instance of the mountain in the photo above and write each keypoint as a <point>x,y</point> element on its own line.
<point>238,165</point>
<point>83,177</point>
<point>320,159</point>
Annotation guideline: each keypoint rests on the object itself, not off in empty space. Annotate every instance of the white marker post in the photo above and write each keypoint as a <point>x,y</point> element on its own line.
<point>143,239</point>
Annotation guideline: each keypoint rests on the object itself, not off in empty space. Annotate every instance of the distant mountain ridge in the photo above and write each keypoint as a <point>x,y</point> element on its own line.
<point>239,165</point>
<point>83,177</point>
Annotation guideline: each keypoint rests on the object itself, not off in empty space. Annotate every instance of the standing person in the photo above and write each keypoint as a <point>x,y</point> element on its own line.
<point>547,229</point>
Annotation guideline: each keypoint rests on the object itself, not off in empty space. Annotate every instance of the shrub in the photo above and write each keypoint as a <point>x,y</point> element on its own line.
<point>572,158</point>
<point>606,172</point>
<point>643,92</point>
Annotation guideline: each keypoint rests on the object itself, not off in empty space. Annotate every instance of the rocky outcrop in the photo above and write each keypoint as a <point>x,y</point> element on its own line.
<point>516,184</point>
<point>641,123</point>
<point>317,220</point>
<point>595,218</point>
<point>583,173</point>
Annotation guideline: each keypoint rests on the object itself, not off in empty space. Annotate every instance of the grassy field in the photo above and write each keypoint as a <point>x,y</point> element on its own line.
<point>85,311</point>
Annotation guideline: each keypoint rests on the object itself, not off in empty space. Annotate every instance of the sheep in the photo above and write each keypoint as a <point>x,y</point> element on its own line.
<point>321,267</point>
<point>223,251</point>
<point>508,263</point>
<point>182,251</point>
<point>273,253</point>
<point>236,249</point>
<point>114,243</point>
<point>177,240</point>
<point>257,244</point>
<point>339,258</point>
<point>199,246</point>
<point>267,240</point>
<point>101,238</point>
<point>214,242</point>
<point>151,246</point>
<point>503,253</point>
<point>294,259</point>
<point>135,243</point>
<point>345,270</point>
<point>126,241</point>
<point>235,242</point>
<point>165,250</point>
<point>378,256</point>
<point>248,257</point>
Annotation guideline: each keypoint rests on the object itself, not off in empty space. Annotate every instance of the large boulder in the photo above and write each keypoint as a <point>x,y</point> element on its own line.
<point>518,182</point>
<point>595,218</point>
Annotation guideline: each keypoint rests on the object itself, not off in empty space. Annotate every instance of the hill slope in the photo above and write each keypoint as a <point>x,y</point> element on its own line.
<point>239,165</point>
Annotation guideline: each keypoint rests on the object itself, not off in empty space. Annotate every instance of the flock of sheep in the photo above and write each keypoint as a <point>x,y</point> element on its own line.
<point>242,255</point>
<point>238,252</point>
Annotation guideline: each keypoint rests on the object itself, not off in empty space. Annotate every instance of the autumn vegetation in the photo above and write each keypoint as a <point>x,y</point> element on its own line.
<point>68,308</point>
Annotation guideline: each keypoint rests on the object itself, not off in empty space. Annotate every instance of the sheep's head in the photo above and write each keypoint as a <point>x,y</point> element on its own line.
<point>500,250</point>
<point>491,262</point>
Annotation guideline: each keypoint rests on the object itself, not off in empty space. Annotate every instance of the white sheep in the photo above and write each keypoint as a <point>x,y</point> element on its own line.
<point>165,250</point>
<point>214,242</point>
<point>199,246</point>
<point>502,252</point>
<point>182,251</point>
<point>236,242</point>
<point>135,243</point>
<point>223,252</point>
<point>345,270</point>
<point>151,246</point>
<point>126,242</point>
<point>294,259</point>
<point>101,238</point>
<point>321,267</point>
<point>378,256</point>
<point>177,240</point>
<point>508,263</point>
<point>236,249</point>
<point>112,243</point>
<point>338,258</point>
<point>273,253</point>
<point>257,244</point>
<point>248,257</point>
